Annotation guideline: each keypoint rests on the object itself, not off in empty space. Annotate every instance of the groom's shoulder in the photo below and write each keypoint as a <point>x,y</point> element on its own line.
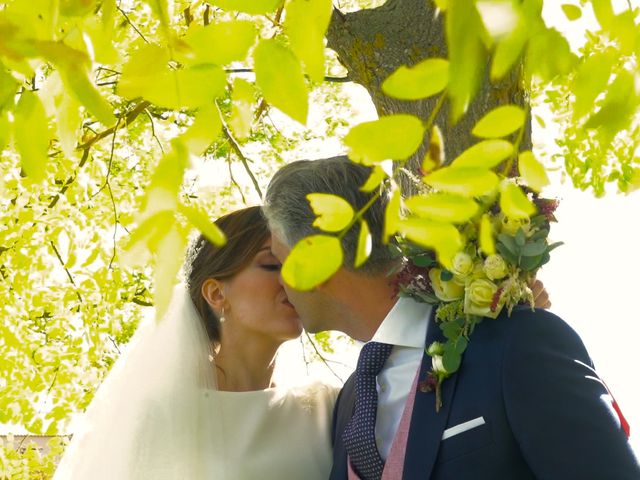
<point>525,322</point>
<point>529,333</point>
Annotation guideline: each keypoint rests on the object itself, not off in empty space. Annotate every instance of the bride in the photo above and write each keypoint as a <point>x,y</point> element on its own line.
<point>193,396</point>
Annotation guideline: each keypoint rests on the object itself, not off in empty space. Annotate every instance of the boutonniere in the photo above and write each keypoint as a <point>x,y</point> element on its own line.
<point>486,277</point>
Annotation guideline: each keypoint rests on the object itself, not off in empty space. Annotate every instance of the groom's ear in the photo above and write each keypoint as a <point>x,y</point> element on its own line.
<point>213,294</point>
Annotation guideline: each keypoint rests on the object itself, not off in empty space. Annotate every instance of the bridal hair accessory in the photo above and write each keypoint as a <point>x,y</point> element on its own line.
<point>485,277</point>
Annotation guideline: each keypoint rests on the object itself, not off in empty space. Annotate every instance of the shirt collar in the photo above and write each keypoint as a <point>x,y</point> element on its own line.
<point>405,325</point>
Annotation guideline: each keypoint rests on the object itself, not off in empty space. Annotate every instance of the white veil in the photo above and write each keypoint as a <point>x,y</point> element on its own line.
<point>150,418</point>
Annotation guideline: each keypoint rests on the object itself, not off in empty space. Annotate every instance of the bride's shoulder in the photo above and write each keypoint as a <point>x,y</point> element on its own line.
<point>315,392</point>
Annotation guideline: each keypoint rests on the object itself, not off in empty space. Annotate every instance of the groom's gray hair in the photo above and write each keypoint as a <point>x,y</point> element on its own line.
<point>291,218</point>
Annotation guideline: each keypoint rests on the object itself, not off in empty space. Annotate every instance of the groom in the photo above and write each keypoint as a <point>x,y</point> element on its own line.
<point>525,403</point>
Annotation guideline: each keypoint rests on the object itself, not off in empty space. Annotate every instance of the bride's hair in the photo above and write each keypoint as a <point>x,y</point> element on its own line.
<point>246,231</point>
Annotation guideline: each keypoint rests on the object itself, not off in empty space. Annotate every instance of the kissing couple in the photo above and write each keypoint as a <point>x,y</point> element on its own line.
<point>194,398</point>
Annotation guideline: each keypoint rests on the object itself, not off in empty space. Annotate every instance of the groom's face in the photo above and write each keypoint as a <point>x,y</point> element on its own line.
<point>314,307</point>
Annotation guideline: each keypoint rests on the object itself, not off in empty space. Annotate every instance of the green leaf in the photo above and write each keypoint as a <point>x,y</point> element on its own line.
<point>68,121</point>
<point>619,106</point>
<point>279,75</point>
<point>590,81</point>
<point>530,263</point>
<point>485,154</point>
<point>500,122</point>
<point>532,171</point>
<point>506,253</point>
<point>468,182</point>
<point>442,207</point>
<point>451,330</point>
<point>442,4</point>
<point>219,43</point>
<point>170,254</point>
<point>375,179</point>
<point>162,193</point>
<point>394,137</point>
<point>520,239</point>
<point>444,238</point>
<point>189,88</point>
<point>199,219</point>
<point>306,22</point>
<point>460,345</point>
<point>364,244</point>
<point>146,74</point>
<point>514,203</point>
<point>242,98</point>
<point>451,359</point>
<point>625,31</point>
<point>487,244</point>
<point>312,261</point>
<point>534,249</point>
<point>423,80</point>
<point>86,93</point>
<point>467,55</point>
<point>604,12</point>
<point>549,55</point>
<point>31,135</point>
<point>508,49</point>
<point>253,7</point>
<point>554,245</point>
<point>8,88</point>
<point>510,243</point>
<point>144,240</point>
<point>572,12</point>
<point>160,8</point>
<point>4,130</point>
<point>334,213</point>
<point>205,129</point>
<point>392,215</point>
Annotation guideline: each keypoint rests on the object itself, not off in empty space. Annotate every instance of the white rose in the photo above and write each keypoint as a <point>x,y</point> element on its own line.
<point>479,297</point>
<point>437,364</point>
<point>462,265</point>
<point>447,291</point>
<point>495,267</point>
<point>436,348</point>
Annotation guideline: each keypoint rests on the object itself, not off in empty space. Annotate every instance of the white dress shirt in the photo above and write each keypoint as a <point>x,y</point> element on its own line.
<point>404,327</point>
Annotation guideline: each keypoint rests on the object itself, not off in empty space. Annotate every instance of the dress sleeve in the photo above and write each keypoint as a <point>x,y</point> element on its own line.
<point>561,413</point>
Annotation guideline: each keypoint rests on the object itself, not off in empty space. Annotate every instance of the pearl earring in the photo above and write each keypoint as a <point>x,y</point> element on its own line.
<point>222,317</point>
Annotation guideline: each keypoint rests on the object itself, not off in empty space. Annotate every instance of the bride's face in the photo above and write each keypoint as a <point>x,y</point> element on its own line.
<point>257,303</point>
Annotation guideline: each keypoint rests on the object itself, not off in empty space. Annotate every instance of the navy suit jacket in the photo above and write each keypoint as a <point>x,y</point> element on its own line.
<point>547,414</point>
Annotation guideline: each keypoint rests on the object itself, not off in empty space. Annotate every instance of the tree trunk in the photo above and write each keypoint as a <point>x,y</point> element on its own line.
<point>373,43</point>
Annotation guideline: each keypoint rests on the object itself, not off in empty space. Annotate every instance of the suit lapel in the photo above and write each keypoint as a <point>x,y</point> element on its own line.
<point>427,426</point>
<point>343,413</point>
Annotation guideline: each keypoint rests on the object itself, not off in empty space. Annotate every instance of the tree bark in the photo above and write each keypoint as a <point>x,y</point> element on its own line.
<point>373,43</point>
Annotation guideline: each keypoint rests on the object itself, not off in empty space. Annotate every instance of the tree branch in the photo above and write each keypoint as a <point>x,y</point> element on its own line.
<point>326,79</point>
<point>131,23</point>
<point>128,118</point>
<point>142,303</point>
<point>324,360</point>
<point>55,250</point>
<point>245,161</point>
<point>233,180</point>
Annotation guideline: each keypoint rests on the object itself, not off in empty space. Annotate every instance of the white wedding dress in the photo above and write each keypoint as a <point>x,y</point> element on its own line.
<point>159,416</point>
